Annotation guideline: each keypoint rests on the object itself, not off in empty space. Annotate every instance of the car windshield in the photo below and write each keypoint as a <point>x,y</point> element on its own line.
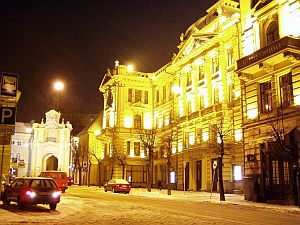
<point>47,183</point>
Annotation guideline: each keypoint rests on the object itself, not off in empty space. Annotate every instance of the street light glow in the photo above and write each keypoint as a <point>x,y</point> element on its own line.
<point>58,85</point>
<point>130,68</point>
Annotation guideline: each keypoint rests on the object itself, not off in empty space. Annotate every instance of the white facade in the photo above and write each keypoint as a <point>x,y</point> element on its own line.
<point>20,146</point>
<point>45,147</point>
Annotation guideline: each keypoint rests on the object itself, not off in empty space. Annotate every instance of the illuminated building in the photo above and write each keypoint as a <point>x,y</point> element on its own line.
<point>50,145</point>
<point>269,70</point>
<point>239,65</point>
<point>203,71</point>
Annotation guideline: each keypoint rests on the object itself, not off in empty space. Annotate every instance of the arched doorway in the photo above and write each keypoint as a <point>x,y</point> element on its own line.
<point>52,163</point>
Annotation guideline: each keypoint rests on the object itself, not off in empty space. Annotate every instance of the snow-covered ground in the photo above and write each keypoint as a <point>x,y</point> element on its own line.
<point>91,205</point>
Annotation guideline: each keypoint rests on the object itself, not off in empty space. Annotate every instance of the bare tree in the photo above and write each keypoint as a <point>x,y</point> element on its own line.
<point>168,140</point>
<point>122,160</point>
<point>99,162</point>
<point>276,138</point>
<point>147,137</point>
<point>221,132</point>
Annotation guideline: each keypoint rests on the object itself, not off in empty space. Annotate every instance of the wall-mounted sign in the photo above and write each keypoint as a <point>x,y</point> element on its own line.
<point>9,84</point>
<point>7,115</point>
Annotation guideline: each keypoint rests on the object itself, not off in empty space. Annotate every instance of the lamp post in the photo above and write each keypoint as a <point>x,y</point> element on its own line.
<point>58,87</point>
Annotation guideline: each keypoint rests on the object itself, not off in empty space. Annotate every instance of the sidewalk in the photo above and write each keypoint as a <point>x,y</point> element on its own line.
<point>234,199</point>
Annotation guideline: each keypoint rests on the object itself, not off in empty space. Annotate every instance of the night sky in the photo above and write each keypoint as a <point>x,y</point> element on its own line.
<point>75,41</point>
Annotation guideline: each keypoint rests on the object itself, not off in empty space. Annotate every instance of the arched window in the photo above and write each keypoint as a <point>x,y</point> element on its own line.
<point>137,122</point>
<point>272,32</point>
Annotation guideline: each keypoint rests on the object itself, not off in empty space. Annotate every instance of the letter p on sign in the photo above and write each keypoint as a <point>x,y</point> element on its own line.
<point>8,115</point>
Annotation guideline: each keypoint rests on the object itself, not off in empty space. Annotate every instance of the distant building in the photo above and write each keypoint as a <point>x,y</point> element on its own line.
<point>20,145</point>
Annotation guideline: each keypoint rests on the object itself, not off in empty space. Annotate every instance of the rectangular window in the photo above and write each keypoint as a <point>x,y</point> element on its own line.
<point>199,135</point>
<point>137,148</point>
<point>164,93</point>
<point>237,173</point>
<point>128,147</point>
<point>216,96</point>
<point>171,93</point>
<point>201,101</point>
<point>189,79</point>
<point>201,72</point>
<point>215,64</point>
<point>186,139</point>
<point>231,95</point>
<point>129,95</point>
<point>286,90</point>
<point>230,58</point>
<point>138,96</point>
<point>266,97</point>
<point>157,96</point>
<point>106,150</point>
<point>145,97</point>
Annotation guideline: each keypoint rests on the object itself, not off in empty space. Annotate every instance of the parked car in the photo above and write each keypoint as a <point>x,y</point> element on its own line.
<point>60,178</point>
<point>117,185</point>
<point>70,180</point>
<point>31,191</point>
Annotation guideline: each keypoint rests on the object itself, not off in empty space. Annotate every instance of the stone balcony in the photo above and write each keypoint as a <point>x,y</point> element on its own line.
<point>284,49</point>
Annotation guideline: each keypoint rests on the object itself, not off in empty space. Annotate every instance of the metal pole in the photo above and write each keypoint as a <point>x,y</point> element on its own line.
<point>1,169</point>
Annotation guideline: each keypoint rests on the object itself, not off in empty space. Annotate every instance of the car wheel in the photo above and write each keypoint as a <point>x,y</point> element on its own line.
<point>114,190</point>
<point>105,189</point>
<point>20,204</point>
<point>5,201</point>
<point>52,206</point>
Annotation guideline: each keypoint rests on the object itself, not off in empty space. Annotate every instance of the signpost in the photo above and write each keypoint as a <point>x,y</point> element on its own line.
<point>8,99</point>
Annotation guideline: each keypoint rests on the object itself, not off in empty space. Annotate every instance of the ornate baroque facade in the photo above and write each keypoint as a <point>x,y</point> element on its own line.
<point>237,69</point>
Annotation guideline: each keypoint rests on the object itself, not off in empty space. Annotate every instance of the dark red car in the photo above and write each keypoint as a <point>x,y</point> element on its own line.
<point>31,191</point>
<point>117,185</point>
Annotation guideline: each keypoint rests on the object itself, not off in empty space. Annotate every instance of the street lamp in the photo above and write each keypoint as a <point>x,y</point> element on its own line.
<point>58,86</point>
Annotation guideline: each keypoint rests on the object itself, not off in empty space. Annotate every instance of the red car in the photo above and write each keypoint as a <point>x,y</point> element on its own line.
<point>117,185</point>
<point>32,191</point>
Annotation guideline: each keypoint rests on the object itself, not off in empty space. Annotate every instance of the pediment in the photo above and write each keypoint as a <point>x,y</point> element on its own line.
<point>190,45</point>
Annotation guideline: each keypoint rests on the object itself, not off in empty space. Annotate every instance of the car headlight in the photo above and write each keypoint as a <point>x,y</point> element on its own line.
<point>30,194</point>
<point>56,194</point>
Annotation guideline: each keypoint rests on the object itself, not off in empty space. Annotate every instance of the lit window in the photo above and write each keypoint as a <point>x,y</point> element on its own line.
<point>286,90</point>
<point>237,173</point>
<point>266,97</point>
<point>230,58</point>
<point>138,96</point>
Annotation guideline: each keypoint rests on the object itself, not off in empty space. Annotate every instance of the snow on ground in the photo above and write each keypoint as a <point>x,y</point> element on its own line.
<point>90,205</point>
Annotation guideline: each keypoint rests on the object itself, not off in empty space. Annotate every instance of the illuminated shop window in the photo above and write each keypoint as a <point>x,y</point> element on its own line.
<point>237,173</point>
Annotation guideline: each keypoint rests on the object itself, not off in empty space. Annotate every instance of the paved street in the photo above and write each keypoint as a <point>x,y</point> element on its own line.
<point>91,205</point>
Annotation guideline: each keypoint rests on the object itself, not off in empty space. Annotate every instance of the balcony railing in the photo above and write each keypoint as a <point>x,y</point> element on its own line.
<point>269,50</point>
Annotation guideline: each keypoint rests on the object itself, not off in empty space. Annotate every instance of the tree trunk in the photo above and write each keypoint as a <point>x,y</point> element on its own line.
<point>99,174</point>
<point>168,176</point>
<point>150,170</point>
<point>221,186</point>
<point>80,176</point>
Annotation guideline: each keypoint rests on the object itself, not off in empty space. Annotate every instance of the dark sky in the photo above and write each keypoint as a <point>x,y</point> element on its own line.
<point>76,41</point>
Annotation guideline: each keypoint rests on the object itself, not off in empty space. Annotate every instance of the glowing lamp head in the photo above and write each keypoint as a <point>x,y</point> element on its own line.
<point>130,68</point>
<point>97,132</point>
<point>58,85</point>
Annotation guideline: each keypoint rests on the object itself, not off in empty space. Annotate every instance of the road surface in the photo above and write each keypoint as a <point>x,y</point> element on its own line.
<point>83,205</point>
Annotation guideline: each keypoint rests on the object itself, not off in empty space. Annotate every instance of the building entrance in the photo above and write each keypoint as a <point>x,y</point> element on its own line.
<point>52,163</point>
